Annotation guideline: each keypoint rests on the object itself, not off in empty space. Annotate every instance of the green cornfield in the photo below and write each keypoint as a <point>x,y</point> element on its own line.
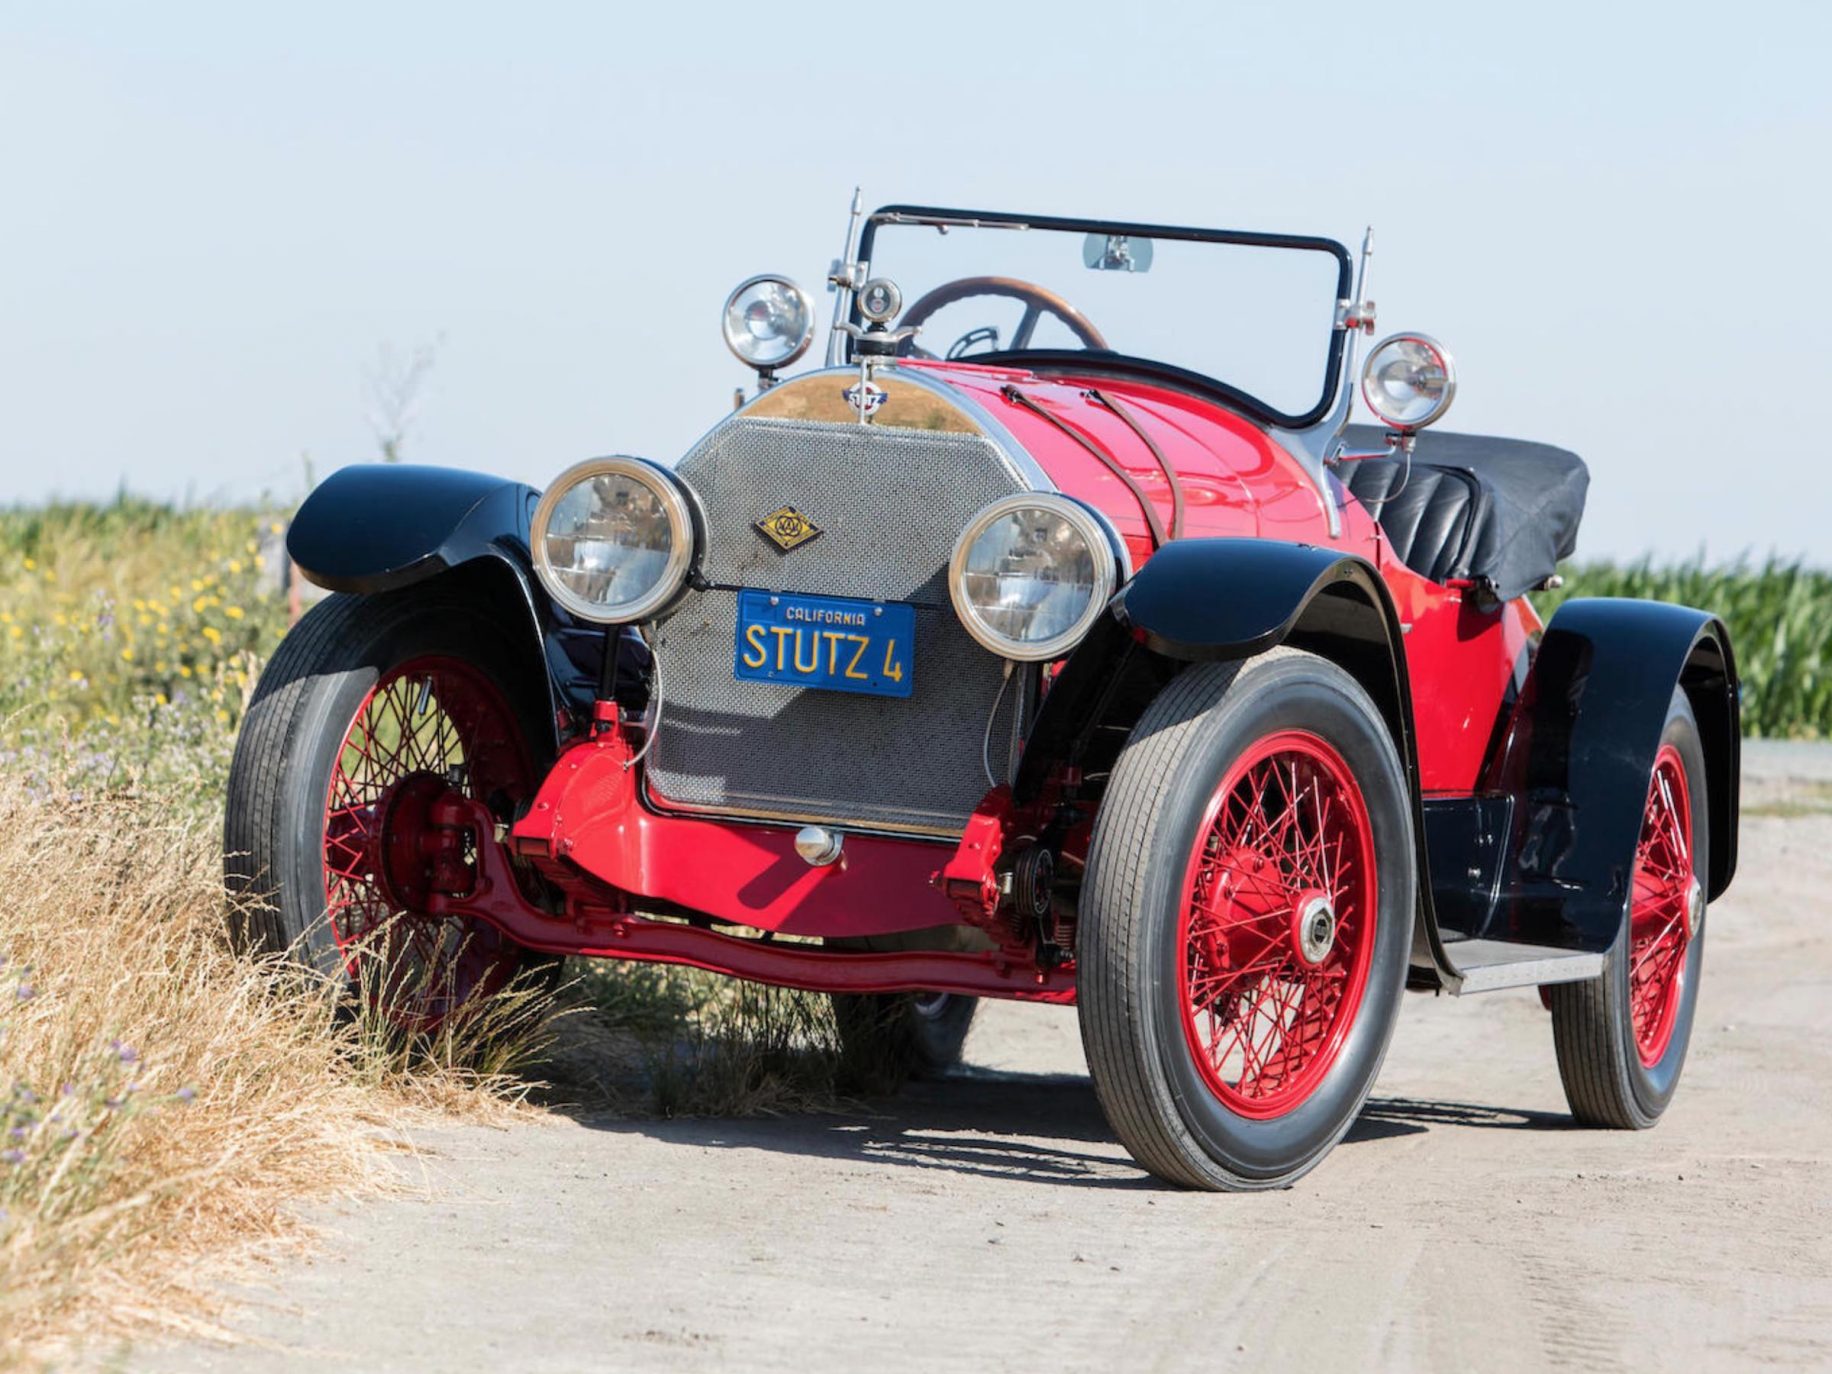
<point>1780,618</point>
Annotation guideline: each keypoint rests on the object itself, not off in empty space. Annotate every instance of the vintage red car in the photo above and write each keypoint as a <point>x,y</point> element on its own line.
<point>1058,639</point>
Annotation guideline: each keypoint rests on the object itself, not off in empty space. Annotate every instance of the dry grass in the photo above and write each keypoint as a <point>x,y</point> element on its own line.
<point>164,1103</point>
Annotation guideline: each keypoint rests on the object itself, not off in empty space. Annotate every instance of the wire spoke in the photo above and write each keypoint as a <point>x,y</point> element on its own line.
<point>438,717</point>
<point>1290,830</point>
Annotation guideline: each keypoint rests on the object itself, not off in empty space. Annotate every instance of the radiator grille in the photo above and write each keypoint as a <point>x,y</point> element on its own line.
<point>889,503</point>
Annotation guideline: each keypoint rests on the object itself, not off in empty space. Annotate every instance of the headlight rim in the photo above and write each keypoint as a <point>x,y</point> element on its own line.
<point>684,527</point>
<point>1111,567</point>
<point>800,350</point>
<point>1450,380</point>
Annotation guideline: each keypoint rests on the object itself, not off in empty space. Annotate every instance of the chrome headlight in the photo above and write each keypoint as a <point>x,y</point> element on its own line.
<point>768,322</point>
<point>1409,381</point>
<point>1031,574</point>
<point>613,539</point>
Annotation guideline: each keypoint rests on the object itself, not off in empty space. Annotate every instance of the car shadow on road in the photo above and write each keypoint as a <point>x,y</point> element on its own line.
<point>1037,1128</point>
<point>1423,1113</point>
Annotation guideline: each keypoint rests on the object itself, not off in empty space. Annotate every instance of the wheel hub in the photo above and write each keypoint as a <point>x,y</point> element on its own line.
<point>413,854</point>
<point>1313,927</point>
<point>1695,908</point>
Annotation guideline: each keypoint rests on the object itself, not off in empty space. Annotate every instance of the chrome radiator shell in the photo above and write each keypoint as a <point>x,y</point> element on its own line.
<point>889,503</point>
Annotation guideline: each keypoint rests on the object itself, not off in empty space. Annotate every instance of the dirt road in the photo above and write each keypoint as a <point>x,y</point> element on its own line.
<point>991,1223</point>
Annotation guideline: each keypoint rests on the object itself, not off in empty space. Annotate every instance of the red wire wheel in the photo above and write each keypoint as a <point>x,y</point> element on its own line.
<point>1661,910</point>
<point>1277,929</point>
<point>431,725</point>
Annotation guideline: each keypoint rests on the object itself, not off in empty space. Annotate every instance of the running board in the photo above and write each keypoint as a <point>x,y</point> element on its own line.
<point>1485,965</point>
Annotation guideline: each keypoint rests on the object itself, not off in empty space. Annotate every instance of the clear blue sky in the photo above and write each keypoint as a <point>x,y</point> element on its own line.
<point>215,215</point>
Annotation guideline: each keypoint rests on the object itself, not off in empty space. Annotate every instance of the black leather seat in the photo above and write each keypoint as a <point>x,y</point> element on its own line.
<point>1498,512</point>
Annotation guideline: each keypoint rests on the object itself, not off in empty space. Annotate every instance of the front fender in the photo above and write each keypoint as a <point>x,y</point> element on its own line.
<point>1233,598</point>
<point>375,527</point>
<point>1217,599</point>
<point>1581,753</point>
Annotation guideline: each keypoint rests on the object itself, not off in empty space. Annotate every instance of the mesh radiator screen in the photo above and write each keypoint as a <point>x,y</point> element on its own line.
<point>889,504</point>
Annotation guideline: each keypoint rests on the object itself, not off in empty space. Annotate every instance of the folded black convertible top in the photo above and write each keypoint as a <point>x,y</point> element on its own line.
<point>1501,512</point>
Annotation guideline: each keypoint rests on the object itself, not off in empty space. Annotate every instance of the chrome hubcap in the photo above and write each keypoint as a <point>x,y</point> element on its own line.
<point>1314,923</point>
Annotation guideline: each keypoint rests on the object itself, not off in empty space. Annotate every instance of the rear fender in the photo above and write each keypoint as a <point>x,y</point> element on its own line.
<point>1581,751</point>
<point>1204,599</point>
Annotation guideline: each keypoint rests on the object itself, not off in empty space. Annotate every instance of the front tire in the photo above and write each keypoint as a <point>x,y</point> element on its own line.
<point>1246,919</point>
<point>371,705</point>
<point>1621,1037</point>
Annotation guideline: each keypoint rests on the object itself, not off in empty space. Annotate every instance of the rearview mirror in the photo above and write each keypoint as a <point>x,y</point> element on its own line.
<point>1116,253</point>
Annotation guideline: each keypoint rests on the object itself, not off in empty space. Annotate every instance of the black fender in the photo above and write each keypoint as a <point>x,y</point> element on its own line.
<point>1578,759</point>
<point>1218,599</point>
<point>377,528</point>
<point>1199,599</point>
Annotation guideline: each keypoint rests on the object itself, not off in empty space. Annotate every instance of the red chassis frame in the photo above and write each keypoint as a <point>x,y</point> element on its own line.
<point>589,834</point>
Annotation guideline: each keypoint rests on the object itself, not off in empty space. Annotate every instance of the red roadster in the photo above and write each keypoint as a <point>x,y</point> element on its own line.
<point>1057,639</point>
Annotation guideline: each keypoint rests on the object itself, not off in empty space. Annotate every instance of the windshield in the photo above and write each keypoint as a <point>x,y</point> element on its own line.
<point>1253,313</point>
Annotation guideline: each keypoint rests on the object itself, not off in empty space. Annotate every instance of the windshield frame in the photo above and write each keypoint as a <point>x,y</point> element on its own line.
<point>1106,360</point>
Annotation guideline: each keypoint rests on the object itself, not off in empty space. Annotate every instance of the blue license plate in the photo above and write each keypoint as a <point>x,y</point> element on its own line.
<point>831,642</point>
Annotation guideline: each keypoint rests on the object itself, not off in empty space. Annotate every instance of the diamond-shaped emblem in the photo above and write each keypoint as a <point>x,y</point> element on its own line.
<point>787,528</point>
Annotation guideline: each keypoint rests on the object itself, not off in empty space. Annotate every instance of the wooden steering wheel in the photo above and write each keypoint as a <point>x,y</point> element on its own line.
<point>1037,302</point>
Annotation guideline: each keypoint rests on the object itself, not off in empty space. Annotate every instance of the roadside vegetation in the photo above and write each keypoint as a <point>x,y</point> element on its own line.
<point>1780,618</point>
<point>162,1103</point>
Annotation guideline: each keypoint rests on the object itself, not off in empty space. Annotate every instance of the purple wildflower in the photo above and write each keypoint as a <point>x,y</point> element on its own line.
<point>186,1095</point>
<point>13,1156</point>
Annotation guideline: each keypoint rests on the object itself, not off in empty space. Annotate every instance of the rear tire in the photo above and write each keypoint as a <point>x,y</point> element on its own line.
<point>1246,919</point>
<point>1622,1036</point>
<point>889,1037</point>
<point>364,693</point>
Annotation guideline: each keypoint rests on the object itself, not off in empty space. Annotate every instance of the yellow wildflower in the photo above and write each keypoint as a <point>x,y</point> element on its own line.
<point>235,565</point>
<point>75,675</point>
<point>184,670</point>
<point>214,635</point>
<point>15,633</point>
<point>233,612</point>
<point>127,655</point>
<point>222,715</point>
<point>31,565</point>
<point>112,718</point>
<point>197,584</point>
<point>58,619</point>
